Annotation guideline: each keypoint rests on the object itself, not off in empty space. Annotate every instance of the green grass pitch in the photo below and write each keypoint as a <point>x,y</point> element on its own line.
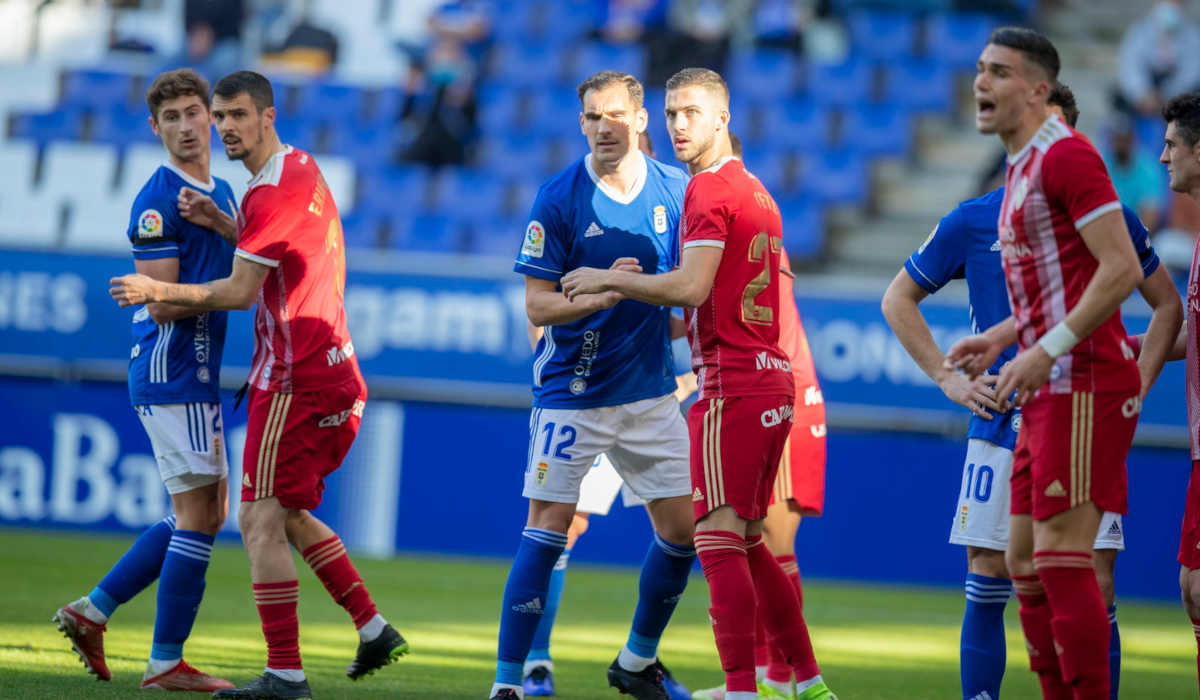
<point>884,643</point>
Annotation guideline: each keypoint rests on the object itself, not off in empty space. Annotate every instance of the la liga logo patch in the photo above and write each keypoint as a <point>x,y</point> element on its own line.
<point>150,224</point>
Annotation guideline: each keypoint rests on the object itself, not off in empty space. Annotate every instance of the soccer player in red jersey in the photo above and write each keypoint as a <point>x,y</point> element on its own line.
<point>1069,263</point>
<point>306,392</point>
<point>729,283</point>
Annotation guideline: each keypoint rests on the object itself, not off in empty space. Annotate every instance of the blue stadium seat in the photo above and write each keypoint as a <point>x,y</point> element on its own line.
<point>554,111</point>
<point>878,130</point>
<point>764,74</point>
<point>841,84</point>
<point>120,125</point>
<point>501,108</point>
<point>496,236</point>
<point>60,125</point>
<point>958,38</point>
<point>95,88</point>
<point>596,56</point>
<point>338,104</point>
<point>362,230</point>
<point>525,65</point>
<point>883,36</point>
<point>836,177</point>
<point>461,190</point>
<point>921,85</point>
<point>566,22</point>
<point>430,233</point>
<point>799,123</point>
<point>515,156</point>
<point>302,134</point>
<point>803,226</point>
<point>384,109</point>
<point>519,20</point>
<point>771,166</point>
<point>393,189</point>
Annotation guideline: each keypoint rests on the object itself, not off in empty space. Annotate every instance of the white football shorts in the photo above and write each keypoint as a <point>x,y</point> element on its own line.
<point>188,441</point>
<point>984,495</point>
<point>646,441</point>
<point>600,486</point>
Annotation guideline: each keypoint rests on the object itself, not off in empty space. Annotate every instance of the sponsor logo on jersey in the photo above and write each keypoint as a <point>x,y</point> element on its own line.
<point>150,224</point>
<point>1115,528</point>
<point>1131,407</point>
<point>593,230</point>
<point>135,351</point>
<point>928,240</point>
<point>341,417</point>
<point>697,496</point>
<point>1015,251</point>
<point>588,352</point>
<point>995,246</point>
<point>1056,490</point>
<point>535,240</point>
<point>774,416</point>
<point>812,396</point>
<point>764,361</point>
<point>660,219</point>
<point>539,475</point>
<point>336,355</point>
<point>818,431</point>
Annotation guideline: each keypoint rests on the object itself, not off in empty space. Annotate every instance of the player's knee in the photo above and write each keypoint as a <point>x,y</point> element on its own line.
<point>1189,584</point>
<point>1018,563</point>
<point>987,562</point>
<point>1107,588</point>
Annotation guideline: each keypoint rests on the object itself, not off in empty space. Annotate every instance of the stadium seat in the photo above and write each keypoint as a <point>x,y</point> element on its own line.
<point>956,39</point>
<point>120,125</point>
<point>368,149</point>
<point>502,109</point>
<point>78,172</point>
<point>566,22</point>
<point>936,81</point>
<point>302,134</point>
<point>460,190</point>
<point>428,233</point>
<point>139,163</point>
<point>497,237</point>
<point>516,156</point>
<point>524,65</point>
<point>803,226</point>
<point>595,56</point>
<point>883,35</point>
<point>27,219</point>
<point>96,89</point>
<point>520,20</point>
<point>555,112</point>
<point>98,225</point>
<point>363,231</point>
<point>383,108</point>
<point>771,166</point>
<point>392,189</point>
<point>878,130</point>
<point>59,125</point>
<point>799,123</point>
<point>337,104</point>
<point>841,84</point>
<point>764,74</point>
<point>835,177</point>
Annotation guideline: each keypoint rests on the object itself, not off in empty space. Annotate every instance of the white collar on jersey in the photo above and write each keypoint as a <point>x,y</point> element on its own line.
<point>207,187</point>
<point>267,167</point>
<point>608,190</point>
<point>1051,130</point>
<point>718,165</point>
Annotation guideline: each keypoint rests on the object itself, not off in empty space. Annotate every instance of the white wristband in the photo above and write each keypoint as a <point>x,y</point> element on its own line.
<point>1058,340</point>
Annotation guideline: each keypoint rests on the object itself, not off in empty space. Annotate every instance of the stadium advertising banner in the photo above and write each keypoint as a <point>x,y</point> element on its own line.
<point>452,330</point>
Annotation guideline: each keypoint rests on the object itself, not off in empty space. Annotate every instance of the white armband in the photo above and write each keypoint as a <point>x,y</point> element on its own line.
<point>1058,340</point>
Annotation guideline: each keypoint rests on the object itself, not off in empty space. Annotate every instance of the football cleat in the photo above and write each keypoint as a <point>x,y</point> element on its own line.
<point>646,684</point>
<point>675,689</point>
<point>182,676</point>
<point>268,686</point>
<point>717,693</point>
<point>766,692</point>
<point>87,639</point>
<point>820,691</point>
<point>506,694</point>
<point>539,682</point>
<point>377,653</point>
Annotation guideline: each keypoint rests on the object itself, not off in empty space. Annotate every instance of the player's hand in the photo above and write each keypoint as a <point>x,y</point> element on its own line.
<point>129,290</point>
<point>584,280</point>
<point>1024,375</point>
<point>973,355</point>
<point>198,208</point>
<point>626,265</point>
<point>978,394</point>
<point>605,300</point>
<point>685,386</point>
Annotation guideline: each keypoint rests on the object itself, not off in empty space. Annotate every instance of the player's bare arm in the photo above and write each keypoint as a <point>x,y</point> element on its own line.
<point>200,209</point>
<point>1117,274</point>
<point>687,285</point>
<point>164,270</point>
<point>236,292</point>
<point>900,308</point>
<point>975,353</point>
<point>1162,334</point>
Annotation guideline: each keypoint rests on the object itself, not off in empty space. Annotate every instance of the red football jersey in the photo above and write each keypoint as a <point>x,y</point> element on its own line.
<point>289,222</point>
<point>794,342</point>
<point>1193,352</point>
<point>734,333</point>
<point>1055,186</point>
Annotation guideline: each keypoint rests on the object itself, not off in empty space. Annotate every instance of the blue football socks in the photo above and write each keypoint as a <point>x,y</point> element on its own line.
<point>135,570</point>
<point>525,596</point>
<point>180,590</point>
<point>981,648</point>
<point>540,651</point>
<point>664,577</point>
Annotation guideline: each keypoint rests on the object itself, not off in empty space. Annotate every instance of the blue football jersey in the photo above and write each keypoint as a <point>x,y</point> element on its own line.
<point>622,354</point>
<point>965,245</point>
<point>178,361</point>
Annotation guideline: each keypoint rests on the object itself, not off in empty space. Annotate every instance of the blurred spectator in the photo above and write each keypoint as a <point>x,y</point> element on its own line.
<point>1158,59</point>
<point>467,22</point>
<point>1137,177</point>
<point>700,33</point>
<point>781,23</point>
<point>440,110</point>
<point>307,47</point>
<point>628,21</point>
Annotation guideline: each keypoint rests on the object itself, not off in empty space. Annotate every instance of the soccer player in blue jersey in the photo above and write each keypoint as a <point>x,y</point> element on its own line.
<point>174,370</point>
<point>965,245</point>
<point>602,380</point>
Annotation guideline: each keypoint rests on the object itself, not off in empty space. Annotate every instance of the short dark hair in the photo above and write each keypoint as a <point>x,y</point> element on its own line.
<point>604,78</point>
<point>736,144</point>
<point>253,84</point>
<point>183,82</point>
<point>1033,44</point>
<point>703,77</point>
<point>1184,110</point>
<point>1062,96</point>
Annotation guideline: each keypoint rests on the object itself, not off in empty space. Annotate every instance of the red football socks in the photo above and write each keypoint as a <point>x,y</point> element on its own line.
<point>778,668</point>
<point>781,613</point>
<point>276,604</point>
<point>1080,621</point>
<point>332,565</point>
<point>1039,637</point>
<point>723,557</point>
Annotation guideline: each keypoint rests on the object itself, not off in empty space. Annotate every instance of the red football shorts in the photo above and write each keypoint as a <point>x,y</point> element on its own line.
<point>293,441</point>
<point>801,477</point>
<point>1071,450</point>
<point>737,443</point>
<point>1189,535</point>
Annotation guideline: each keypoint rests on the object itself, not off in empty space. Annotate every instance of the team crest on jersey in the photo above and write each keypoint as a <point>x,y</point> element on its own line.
<point>928,240</point>
<point>202,375</point>
<point>150,224</point>
<point>577,386</point>
<point>535,240</point>
<point>1016,422</point>
<point>539,476</point>
<point>660,219</point>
